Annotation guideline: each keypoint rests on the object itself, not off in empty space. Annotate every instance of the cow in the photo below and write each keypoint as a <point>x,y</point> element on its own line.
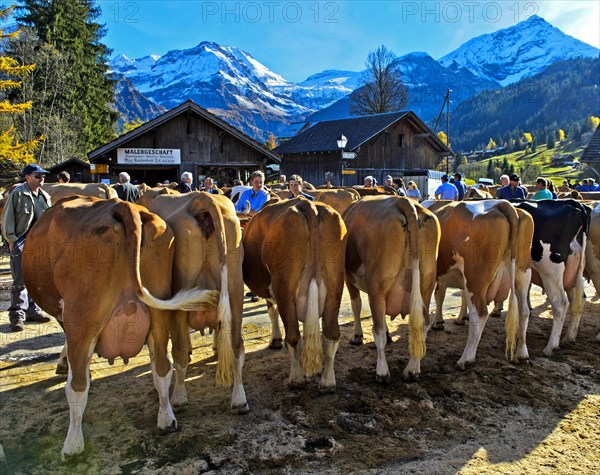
<point>340,199</point>
<point>103,269</point>
<point>475,193</point>
<point>294,258</point>
<point>391,255</point>
<point>208,254</point>
<point>484,251</point>
<point>558,259</point>
<point>152,193</point>
<point>374,191</point>
<point>62,190</point>
<point>592,250</point>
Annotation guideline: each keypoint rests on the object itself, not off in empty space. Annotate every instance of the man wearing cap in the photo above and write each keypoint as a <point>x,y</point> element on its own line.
<point>460,186</point>
<point>512,191</point>
<point>23,208</point>
<point>446,191</point>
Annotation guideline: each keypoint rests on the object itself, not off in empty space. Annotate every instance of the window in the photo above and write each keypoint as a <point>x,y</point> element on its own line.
<point>400,140</point>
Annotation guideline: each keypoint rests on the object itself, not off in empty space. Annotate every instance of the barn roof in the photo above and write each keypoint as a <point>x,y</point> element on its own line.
<point>74,161</point>
<point>592,151</point>
<point>189,105</point>
<point>322,136</point>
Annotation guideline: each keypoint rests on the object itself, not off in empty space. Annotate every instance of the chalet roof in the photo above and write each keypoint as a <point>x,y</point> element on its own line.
<point>189,105</point>
<point>322,136</point>
<point>74,161</point>
<point>592,151</point>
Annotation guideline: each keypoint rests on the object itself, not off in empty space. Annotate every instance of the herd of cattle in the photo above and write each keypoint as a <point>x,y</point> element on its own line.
<point>117,275</point>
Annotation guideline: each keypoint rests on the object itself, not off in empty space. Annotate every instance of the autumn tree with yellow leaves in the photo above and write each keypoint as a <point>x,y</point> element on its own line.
<point>13,153</point>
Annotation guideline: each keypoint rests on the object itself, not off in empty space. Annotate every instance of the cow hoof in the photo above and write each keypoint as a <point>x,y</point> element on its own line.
<point>168,429</point>
<point>240,409</point>
<point>411,377</point>
<point>383,379</point>
<point>389,339</point>
<point>437,326</point>
<point>463,365</point>
<point>548,352</point>
<point>326,389</point>
<point>496,314</point>
<point>460,321</point>
<point>356,340</point>
<point>62,369</point>
<point>276,344</point>
<point>297,384</point>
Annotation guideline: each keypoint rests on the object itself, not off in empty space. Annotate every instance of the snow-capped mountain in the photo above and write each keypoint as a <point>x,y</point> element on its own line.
<point>232,84</point>
<point>514,53</point>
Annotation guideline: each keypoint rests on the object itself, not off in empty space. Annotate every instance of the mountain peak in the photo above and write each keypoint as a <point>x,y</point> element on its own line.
<point>522,50</point>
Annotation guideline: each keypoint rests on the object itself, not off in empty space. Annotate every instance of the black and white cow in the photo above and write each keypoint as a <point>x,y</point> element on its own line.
<point>558,261</point>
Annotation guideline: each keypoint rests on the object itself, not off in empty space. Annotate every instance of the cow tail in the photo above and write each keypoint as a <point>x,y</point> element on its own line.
<point>191,299</point>
<point>416,323</point>
<point>511,324</point>
<point>312,351</point>
<point>225,357</point>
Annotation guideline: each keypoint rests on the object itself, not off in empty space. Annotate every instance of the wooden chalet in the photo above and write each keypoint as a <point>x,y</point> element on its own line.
<point>186,138</point>
<point>79,171</point>
<point>384,144</point>
<point>591,154</point>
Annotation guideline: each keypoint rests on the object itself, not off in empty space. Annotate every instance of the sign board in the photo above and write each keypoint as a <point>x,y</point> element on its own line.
<point>98,168</point>
<point>348,172</point>
<point>148,156</point>
<point>348,155</point>
<point>106,181</point>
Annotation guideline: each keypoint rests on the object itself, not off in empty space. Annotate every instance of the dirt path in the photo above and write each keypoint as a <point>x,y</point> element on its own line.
<point>496,417</point>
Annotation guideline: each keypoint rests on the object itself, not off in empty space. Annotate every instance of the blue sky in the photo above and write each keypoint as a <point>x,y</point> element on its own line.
<point>298,38</point>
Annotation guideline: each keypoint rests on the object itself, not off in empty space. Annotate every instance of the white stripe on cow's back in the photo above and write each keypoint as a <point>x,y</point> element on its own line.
<point>481,207</point>
<point>427,203</point>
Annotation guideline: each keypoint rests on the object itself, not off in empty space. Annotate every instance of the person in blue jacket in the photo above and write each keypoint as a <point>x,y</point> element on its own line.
<point>256,196</point>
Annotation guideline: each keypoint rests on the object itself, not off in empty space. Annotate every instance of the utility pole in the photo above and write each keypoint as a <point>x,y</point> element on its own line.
<point>446,103</point>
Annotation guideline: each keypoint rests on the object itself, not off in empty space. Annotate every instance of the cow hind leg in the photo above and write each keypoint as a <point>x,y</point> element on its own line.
<point>476,325</point>
<point>576,298</point>
<point>356,303</point>
<point>276,342</point>
<point>382,372</point>
<point>439,296</point>
<point>559,301</point>
<point>522,280</point>
<point>162,372</point>
<point>181,356</point>
<point>76,390</point>
<point>239,404</point>
<point>62,367</point>
<point>327,383</point>
<point>463,314</point>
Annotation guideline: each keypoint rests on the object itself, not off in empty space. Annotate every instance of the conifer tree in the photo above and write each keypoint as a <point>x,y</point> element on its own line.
<point>70,27</point>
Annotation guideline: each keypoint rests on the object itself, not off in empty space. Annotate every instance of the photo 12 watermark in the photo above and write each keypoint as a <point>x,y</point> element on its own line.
<point>467,12</point>
<point>270,12</point>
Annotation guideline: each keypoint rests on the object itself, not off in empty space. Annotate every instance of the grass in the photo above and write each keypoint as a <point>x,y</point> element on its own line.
<point>542,158</point>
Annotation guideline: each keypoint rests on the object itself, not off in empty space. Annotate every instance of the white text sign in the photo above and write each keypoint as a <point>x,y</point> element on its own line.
<point>148,156</point>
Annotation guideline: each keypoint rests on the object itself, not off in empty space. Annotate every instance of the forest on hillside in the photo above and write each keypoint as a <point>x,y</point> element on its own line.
<point>562,96</point>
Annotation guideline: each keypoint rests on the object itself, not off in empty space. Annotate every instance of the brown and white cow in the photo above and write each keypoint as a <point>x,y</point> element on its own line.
<point>101,267</point>
<point>152,193</point>
<point>592,250</point>
<point>391,255</point>
<point>485,251</point>
<point>294,258</point>
<point>63,190</point>
<point>475,193</point>
<point>208,254</point>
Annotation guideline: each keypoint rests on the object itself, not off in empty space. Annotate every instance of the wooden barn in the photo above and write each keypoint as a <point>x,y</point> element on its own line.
<point>591,154</point>
<point>383,144</point>
<point>76,168</point>
<point>186,138</point>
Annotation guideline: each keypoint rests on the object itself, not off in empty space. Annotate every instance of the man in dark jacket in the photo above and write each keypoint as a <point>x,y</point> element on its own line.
<point>125,190</point>
<point>185,185</point>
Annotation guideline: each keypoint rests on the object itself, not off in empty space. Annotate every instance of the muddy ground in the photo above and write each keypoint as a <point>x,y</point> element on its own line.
<point>496,417</point>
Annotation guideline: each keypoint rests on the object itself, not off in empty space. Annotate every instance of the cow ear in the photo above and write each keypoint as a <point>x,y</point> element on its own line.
<point>152,225</point>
